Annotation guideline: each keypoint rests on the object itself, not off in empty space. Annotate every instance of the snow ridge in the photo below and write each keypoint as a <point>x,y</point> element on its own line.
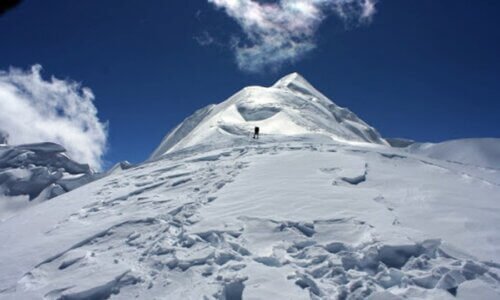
<point>482,152</point>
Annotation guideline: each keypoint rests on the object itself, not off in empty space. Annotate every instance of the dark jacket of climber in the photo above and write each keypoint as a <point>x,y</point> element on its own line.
<point>256,132</point>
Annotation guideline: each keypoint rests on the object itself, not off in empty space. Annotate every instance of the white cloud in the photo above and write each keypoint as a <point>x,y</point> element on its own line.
<point>281,31</point>
<point>36,110</point>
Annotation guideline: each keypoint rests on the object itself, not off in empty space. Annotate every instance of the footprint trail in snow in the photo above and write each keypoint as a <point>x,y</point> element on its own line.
<point>212,223</point>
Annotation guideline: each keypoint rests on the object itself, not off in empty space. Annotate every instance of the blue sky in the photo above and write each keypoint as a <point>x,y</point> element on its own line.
<point>426,70</point>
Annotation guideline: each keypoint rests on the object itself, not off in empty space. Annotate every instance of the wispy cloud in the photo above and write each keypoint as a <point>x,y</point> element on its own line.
<point>282,31</point>
<point>36,110</point>
<point>204,39</point>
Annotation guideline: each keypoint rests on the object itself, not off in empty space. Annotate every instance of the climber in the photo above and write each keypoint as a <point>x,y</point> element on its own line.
<point>256,133</point>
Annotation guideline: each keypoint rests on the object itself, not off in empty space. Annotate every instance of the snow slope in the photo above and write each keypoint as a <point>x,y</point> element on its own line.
<point>319,207</point>
<point>291,107</point>
<point>479,152</point>
<point>318,220</point>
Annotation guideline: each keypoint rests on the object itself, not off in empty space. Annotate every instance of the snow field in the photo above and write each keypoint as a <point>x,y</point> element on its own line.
<point>289,220</point>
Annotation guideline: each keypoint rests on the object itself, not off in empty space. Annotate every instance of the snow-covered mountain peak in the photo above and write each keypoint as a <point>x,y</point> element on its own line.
<point>290,109</point>
<point>296,82</point>
<point>290,79</point>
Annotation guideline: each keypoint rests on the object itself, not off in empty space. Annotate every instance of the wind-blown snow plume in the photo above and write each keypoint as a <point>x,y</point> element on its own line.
<point>283,31</point>
<point>35,110</point>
